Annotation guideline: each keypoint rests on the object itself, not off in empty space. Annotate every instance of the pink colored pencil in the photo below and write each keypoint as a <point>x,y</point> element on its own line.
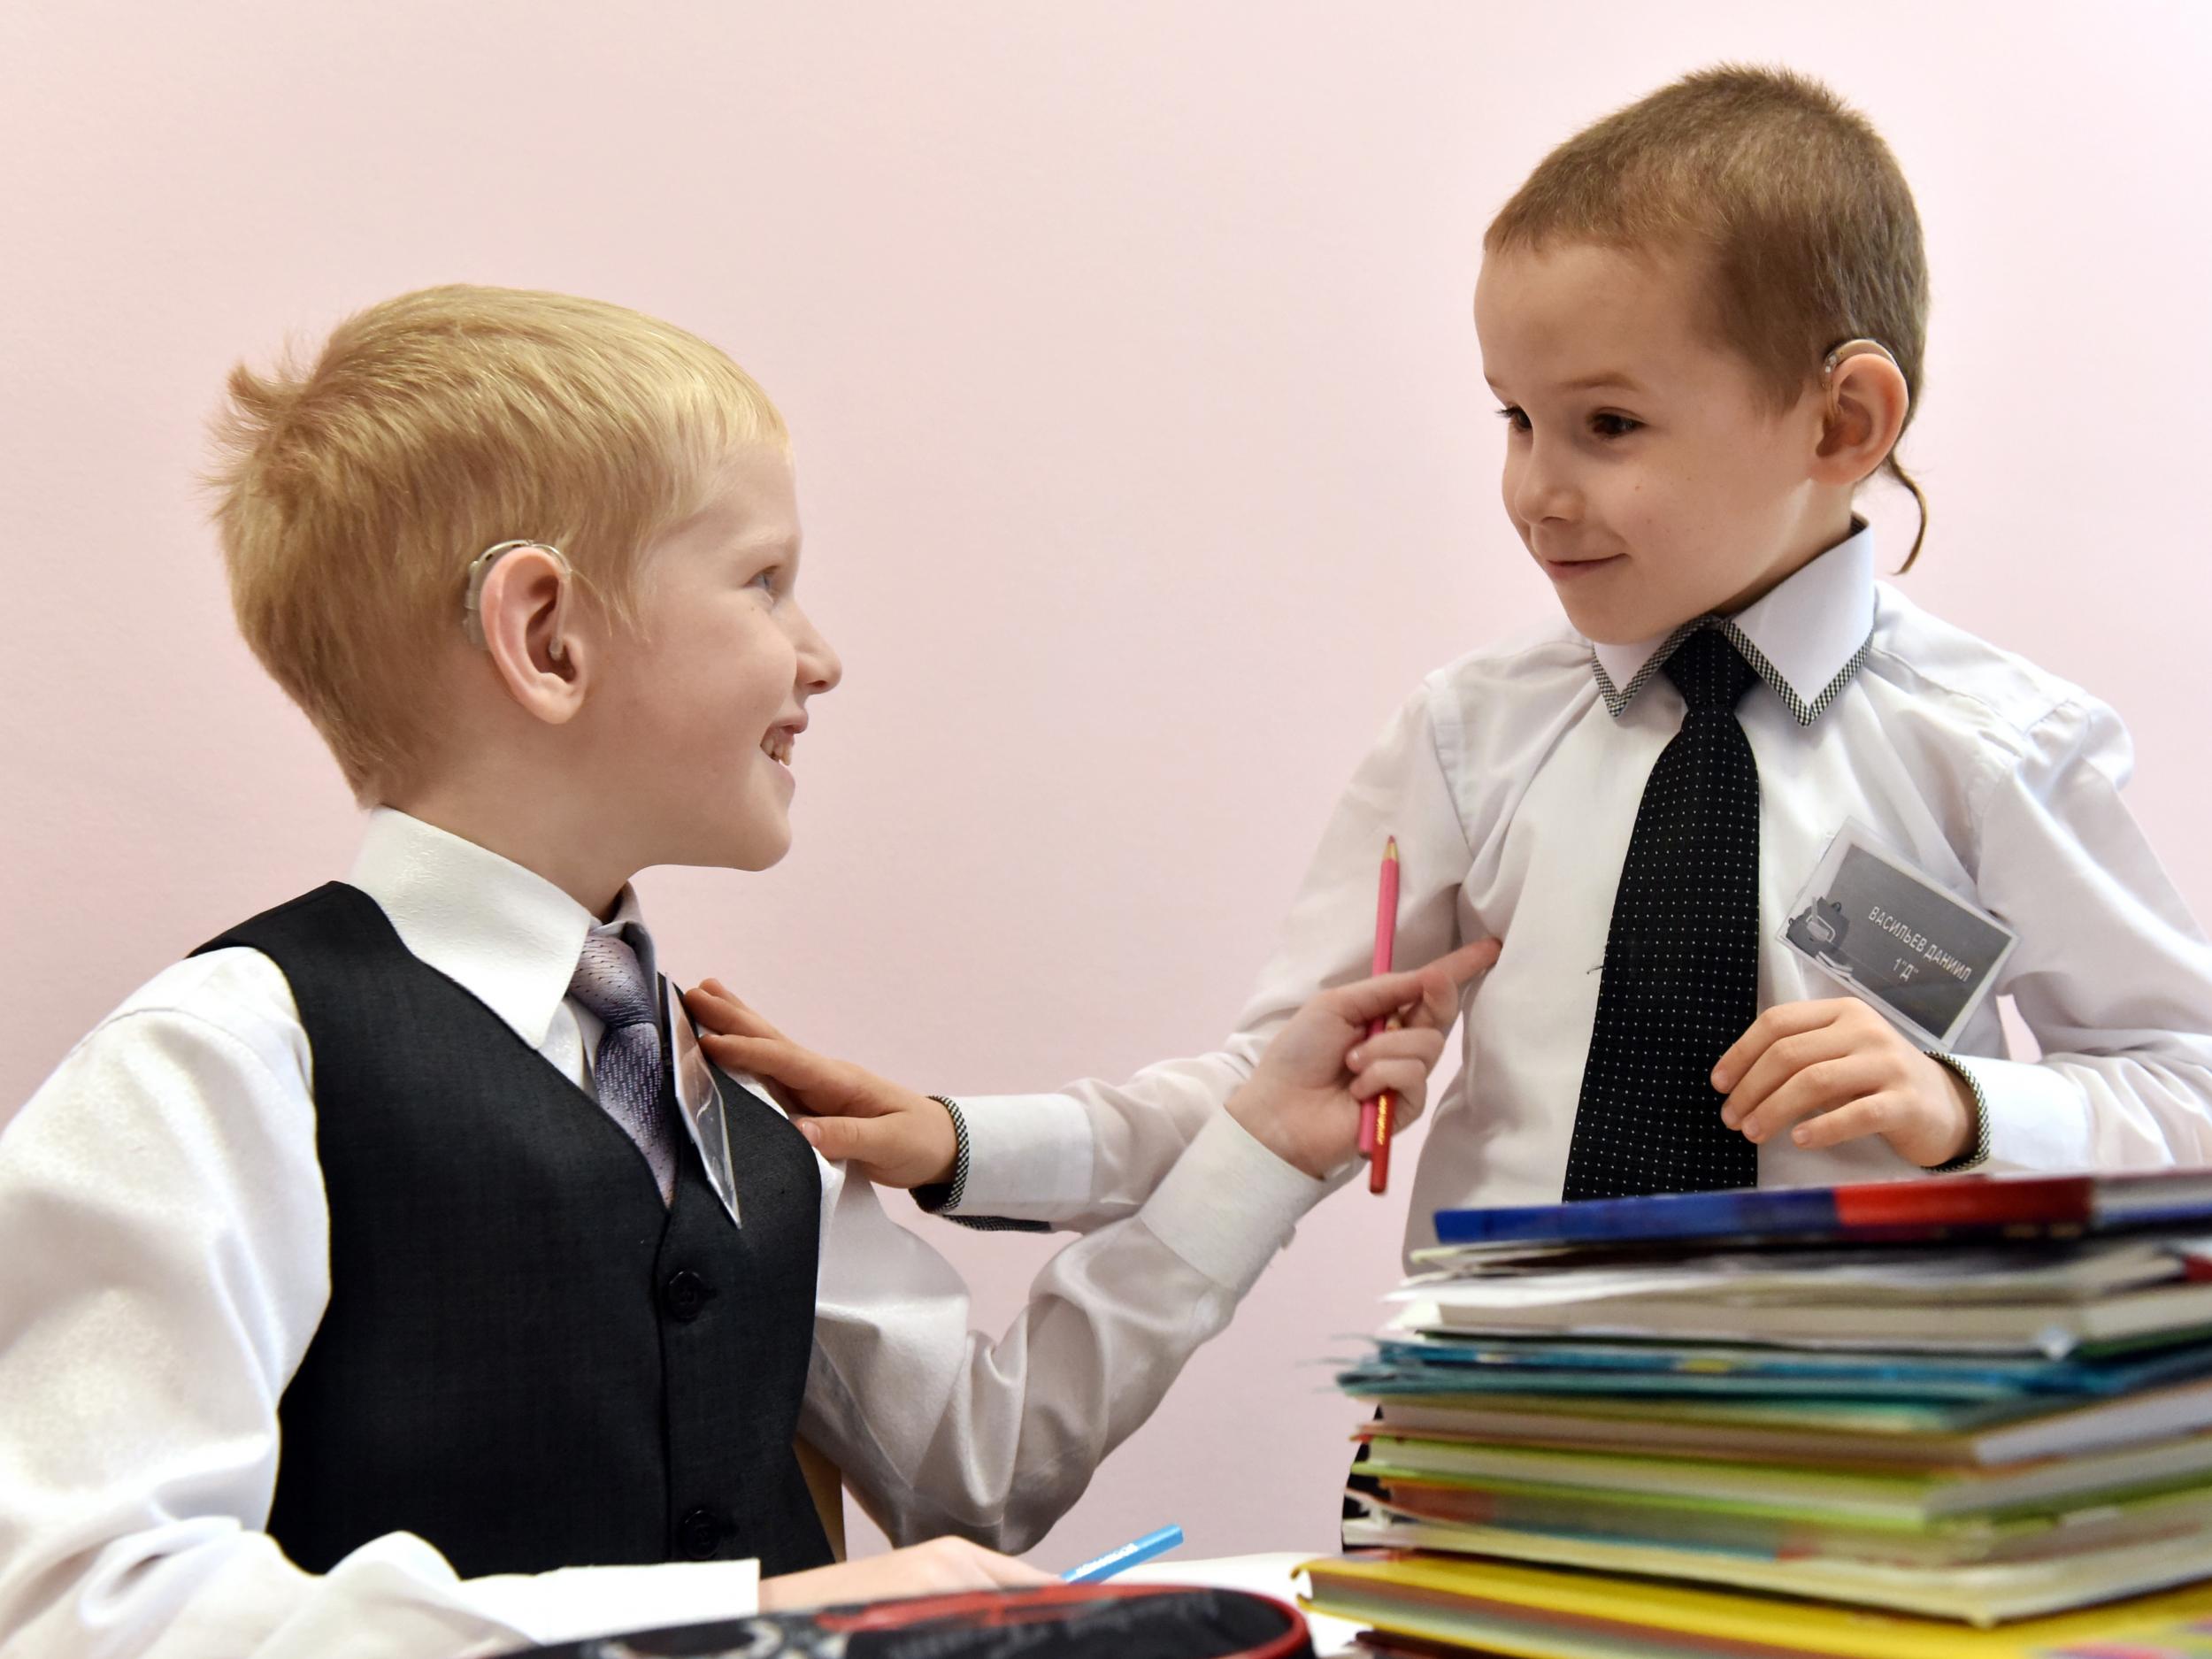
<point>1374,1115</point>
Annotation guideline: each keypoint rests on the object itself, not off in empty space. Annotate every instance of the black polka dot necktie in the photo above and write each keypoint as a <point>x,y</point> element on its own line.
<point>1681,975</point>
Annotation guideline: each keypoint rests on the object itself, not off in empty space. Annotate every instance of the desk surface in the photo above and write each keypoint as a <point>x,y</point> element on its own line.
<point>1269,1575</point>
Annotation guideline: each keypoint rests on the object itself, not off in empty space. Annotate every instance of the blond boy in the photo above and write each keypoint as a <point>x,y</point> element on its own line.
<point>396,1275</point>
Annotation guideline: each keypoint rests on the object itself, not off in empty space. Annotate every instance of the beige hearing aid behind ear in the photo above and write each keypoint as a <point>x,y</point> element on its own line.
<point>481,567</point>
<point>1853,348</point>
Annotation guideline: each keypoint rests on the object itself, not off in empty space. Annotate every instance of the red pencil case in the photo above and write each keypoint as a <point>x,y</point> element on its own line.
<point>1064,1621</point>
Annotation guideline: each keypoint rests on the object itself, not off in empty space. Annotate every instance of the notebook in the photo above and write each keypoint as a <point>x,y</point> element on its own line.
<point>2170,1313</point>
<point>1839,1431</point>
<point>1982,1594</point>
<point>1940,1206</point>
<point>1897,1497</point>
<point>1552,1613</point>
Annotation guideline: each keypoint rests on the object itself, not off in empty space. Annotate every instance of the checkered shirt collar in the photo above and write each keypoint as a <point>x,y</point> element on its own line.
<point>1806,639</point>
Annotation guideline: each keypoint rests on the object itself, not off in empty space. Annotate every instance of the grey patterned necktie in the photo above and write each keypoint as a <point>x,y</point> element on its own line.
<point>629,1065</point>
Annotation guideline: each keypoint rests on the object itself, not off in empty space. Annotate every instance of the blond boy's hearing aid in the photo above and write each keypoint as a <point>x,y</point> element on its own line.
<point>479,567</point>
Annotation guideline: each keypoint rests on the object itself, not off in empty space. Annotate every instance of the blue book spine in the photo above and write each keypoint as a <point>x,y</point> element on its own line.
<point>1787,1213</point>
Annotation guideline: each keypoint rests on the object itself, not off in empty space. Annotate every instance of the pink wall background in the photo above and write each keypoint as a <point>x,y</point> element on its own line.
<point>1143,450</point>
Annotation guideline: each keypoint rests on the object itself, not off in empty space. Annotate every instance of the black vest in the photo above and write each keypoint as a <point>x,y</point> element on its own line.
<point>527,1359</point>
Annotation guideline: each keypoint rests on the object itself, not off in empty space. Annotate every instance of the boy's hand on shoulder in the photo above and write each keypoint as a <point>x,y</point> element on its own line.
<point>1838,1070</point>
<point>940,1566</point>
<point>1302,1101</point>
<point>891,1135</point>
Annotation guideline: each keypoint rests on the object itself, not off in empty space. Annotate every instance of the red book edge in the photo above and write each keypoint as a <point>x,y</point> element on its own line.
<point>1967,1201</point>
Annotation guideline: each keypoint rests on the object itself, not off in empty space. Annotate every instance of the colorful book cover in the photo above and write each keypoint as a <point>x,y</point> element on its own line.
<point>1958,1542</point>
<point>1550,1613</point>
<point>1865,1495</point>
<point>1978,1593</point>
<point>1940,1206</point>
<point>1941,1376</point>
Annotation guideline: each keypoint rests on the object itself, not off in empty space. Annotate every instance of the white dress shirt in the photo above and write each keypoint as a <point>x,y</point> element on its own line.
<point>163,1266</point>
<point>1512,784</point>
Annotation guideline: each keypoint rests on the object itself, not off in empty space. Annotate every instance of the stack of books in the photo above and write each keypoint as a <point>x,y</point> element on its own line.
<point>1959,1416</point>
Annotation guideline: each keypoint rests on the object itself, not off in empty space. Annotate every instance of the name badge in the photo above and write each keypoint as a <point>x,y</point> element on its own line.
<point>699,1103</point>
<point>1891,936</point>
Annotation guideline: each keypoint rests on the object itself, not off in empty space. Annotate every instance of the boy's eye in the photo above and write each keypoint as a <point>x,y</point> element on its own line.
<point>1608,426</point>
<point>1515,417</point>
<point>770,581</point>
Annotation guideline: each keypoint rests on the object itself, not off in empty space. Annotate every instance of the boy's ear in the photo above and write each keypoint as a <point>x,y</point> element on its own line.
<point>530,635</point>
<point>1868,401</point>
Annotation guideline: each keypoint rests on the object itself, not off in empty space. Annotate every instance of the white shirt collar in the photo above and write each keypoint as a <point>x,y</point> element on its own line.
<point>503,934</point>
<point>1806,638</point>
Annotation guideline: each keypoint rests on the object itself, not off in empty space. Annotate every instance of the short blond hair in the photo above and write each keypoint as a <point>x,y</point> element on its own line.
<point>354,493</point>
<point>1800,211</point>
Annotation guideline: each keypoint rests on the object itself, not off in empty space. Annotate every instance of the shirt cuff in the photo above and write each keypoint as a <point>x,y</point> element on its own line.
<point>2039,1117</point>
<point>1029,1157</point>
<point>577,1603</point>
<point>1229,1204</point>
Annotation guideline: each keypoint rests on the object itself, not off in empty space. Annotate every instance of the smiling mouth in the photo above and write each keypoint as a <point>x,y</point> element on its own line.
<point>1570,569</point>
<point>778,746</point>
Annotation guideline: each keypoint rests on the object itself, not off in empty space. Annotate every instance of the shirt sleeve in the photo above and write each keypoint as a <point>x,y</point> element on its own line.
<point>164,1243</point>
<point>2111,972</point>
<point>1094,1151</point>
<point>940,1429</point>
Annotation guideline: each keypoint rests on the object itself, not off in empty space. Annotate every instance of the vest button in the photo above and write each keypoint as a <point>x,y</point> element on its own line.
<point>685,1295</point>
<point>699,1534</point>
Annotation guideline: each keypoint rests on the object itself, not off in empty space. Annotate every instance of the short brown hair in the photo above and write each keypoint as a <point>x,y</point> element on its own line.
<point>1800,211</point>
<point>354,493</point>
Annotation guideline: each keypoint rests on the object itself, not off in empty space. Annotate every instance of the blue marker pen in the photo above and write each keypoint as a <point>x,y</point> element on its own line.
<point>1128,1555</point>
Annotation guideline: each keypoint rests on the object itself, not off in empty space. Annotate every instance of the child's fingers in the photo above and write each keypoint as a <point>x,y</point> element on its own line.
<point>744,1019</point>
<point>1407,1080</point>
<point>772,1058</point>
<point>826,1087</point>
<point>957,1564</point>
<point>1008,1571</point>
<point>843,1140</point>
<point>1874,1115</point>
<point>1430,994</point>
<point>794,1107</point>
<point>1783,1020</point>
<point>755,1055</point>
<point>712,994</point>
<point>1786,1059</point>
<point>1443,981</point>
<point>1425,1045</point>
<point>1823,1085</point>
<point>712,1004</point>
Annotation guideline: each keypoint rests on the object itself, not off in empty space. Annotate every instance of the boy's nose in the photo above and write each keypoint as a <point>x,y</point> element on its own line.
<point>820,668</point>
<point>1539,492</point>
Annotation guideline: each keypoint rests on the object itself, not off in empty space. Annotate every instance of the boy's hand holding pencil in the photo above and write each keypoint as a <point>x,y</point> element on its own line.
<point>1303,1101</point>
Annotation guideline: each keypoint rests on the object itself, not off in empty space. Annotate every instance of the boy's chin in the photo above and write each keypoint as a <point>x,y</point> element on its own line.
<point>749,846</point>
<point>1619,624</point>
<point>1604,625</point>
<point>761,852</point>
